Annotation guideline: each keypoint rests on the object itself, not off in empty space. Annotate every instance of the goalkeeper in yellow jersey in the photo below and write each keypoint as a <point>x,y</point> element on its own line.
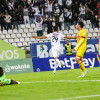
<point>81,46</point>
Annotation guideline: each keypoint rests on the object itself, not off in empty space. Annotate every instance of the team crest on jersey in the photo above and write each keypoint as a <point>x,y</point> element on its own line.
<point>83,33</point>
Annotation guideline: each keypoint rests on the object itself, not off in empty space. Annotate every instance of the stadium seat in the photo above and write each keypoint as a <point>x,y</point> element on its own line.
<point>15,31</point>
<point>91,30</point>
<point>65,32</point>
<point>11,40</point>
<point>22,26</point>
<point>87,26</point>
<point>87,30</point>
<point>18,35</point>
<point>24,35</point>
<point>3,36</point>
<point>75,31</point>
<point>6,40</point>
<point>22,39</point>
<point>22,48</point>
<point>53,23</point>
<point>5,32</point>
<point>25,43</point>
<point>61,32</point>
<point>95,34</point>
<point>10,31</point>
<point>96,30</point>
<point>71,32</point>
<point>20,31</point>
<point>8,36</point>
<point>89,35</point>
<point>34,34</point>
<point>31,30</point>
<point>0,32</point>
<point>84,22</point>
<point>29,34</point>
<point>57,10</point>
<point>13,35</point>
<point>28,48</point>
<point>27,25</point>
<point>61,20</point>
<point>88,22</point>
<point>33,25</point>
<point>72,27</point>
<point>27,39</point>
<point>44,33</point>
<point>32,39</point>
<point>14,44</point>
<point>16,40</point>
<point>19,44</point>
<point>26,30</point>
<point>43,41</point>
<point>62,27</point>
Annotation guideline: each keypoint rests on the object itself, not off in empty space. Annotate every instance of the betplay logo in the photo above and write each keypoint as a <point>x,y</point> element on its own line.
<point>71,62</point>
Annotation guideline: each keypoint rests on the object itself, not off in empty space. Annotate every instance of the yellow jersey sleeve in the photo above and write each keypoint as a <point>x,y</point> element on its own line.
<point>83,34</point>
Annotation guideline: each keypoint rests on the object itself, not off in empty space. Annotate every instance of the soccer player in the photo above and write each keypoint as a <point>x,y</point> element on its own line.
<point>4,81</point>
<point>55,43</point>
<point>81,47</point>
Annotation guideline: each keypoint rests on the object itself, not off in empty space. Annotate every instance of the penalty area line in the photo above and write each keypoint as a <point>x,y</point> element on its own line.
<point>78,97</point>
<point>72,81</point>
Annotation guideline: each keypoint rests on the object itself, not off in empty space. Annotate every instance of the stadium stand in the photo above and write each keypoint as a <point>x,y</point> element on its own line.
<point>21,36</point>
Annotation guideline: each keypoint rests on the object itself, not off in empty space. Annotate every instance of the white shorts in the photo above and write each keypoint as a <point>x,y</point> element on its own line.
<point>56,51</point>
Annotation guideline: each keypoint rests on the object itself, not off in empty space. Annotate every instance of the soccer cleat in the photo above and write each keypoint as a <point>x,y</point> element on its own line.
<point>18,82</point>
<point>84,73</point>
<point>80,76</point>
<point>62,66</point>
<point>53,72</point>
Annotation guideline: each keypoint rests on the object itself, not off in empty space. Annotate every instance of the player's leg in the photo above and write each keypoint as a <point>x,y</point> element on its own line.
<point>8,82</point>
<point>57,62</point>
<point>14,82</point>
<point>79,60</point>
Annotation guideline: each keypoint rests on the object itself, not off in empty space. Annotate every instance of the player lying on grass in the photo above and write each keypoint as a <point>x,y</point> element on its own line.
<point>55,45</point>
<point>4,81</point>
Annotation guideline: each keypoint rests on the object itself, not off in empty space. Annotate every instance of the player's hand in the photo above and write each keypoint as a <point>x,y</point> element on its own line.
<point>74,50</point>
<point>34,37</point>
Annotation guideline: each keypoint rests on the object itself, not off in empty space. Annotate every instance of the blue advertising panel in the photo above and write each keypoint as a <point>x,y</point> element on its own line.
<point>92,46</point>
<point>47,64</point>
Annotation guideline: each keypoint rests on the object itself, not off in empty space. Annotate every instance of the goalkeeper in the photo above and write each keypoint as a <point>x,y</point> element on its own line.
<point>4,81</point>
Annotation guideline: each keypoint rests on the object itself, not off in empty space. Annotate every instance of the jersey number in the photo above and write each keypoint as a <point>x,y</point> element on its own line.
<point>54,39</point>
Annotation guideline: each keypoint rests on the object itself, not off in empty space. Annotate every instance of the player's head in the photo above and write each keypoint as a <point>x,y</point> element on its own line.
<point>79,25</point>
<point>55,29</point>
<point>1,71</point>
<point>67,42</point>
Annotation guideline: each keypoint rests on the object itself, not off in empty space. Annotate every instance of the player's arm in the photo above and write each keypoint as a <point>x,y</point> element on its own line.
<point>41,37</point>
<point>70,37</point>
<point>78,45</point>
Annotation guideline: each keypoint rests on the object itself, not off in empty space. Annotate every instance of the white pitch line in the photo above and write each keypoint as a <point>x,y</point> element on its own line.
<point>62,81</point>
<point>77,97</point>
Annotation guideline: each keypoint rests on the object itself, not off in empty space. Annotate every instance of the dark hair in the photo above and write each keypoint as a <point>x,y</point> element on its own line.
<point>1,70</point>
<point>55,28</point>
<point>81,24</point>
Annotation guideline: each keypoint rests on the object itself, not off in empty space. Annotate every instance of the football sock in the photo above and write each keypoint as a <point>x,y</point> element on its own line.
<point>81,66</point>
<point>55,67</point>
<point>58,62</point>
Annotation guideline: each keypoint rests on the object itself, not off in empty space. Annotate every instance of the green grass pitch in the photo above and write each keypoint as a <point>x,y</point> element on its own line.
<point>48,86</point>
